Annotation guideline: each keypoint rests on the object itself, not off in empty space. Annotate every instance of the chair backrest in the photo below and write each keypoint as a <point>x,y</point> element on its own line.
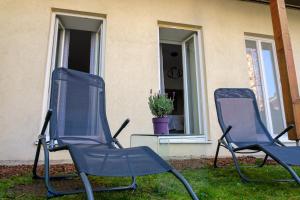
<point>78,104</point>
<point>238,108</point>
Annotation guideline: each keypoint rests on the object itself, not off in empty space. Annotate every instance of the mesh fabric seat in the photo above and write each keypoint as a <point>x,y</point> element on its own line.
<point>78,123</point>
<point>136,161</point>
<point>243,129</point>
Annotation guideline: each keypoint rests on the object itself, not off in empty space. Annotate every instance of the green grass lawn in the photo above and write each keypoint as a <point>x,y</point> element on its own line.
<point>208,183</point>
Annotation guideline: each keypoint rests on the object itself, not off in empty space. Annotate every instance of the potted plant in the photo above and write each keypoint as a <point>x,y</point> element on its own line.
<point>160,105</point>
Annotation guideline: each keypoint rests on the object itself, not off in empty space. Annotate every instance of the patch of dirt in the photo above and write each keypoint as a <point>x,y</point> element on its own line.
<point>19,170</point>
<point>38,187</point>
<point>39,190</point>
<point>203,162</point>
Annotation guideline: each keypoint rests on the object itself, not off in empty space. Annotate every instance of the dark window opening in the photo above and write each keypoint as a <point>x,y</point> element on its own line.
<point>79,50</point>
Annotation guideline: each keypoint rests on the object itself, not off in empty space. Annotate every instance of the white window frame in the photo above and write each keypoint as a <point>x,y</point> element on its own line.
<point>60,45</point>
<point>52,45</point>
<point>198,78</point>
<point>202,137</point>
<point>258,41</point>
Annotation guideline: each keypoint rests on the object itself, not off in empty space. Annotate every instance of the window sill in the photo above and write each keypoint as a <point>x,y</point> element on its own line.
<point>287,141</point>
<point>184,139</point>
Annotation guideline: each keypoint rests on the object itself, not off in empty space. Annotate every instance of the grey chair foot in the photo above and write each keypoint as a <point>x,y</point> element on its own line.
<point>216,156</point>
<point>87,186</point>
<point>291,171</point>
<point>264,161</point>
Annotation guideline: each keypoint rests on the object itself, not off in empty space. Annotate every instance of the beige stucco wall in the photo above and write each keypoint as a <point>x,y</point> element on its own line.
<point>131,58</point>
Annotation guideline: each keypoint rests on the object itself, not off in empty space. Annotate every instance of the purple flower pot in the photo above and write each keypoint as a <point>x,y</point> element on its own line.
<point>161,125</point>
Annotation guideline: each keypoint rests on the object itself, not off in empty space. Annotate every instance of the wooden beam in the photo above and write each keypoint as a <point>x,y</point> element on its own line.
<point>287,69</point>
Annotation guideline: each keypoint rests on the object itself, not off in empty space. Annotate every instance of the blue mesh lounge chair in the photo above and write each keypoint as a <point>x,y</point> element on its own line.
<point>78,124</point>
<point>243,129</point>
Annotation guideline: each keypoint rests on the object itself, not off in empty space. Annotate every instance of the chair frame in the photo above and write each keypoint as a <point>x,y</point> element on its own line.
<point>52,192</point>
<point>223,142</point>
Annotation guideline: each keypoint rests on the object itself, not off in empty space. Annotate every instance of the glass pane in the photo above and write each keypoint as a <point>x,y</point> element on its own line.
<point>194,119</point>
<point>255,77</point>
<point>273,94</point>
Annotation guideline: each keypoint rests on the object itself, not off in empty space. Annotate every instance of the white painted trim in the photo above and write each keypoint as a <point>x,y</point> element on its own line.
<point>198,81</point>
<point>54,48</point>
<point>102,48</point>
<point>48,70</point>
<point>265,87</point>
<point>97,53</point>
<point>93,52</point>
<point>185,90</point>
<point>159,60</point>
<point>197,66</point>
<point>66,49</point>
<point>162,78</point>
<point>170,42</point>
<point>188,38</point>
<point>201,139</point>
<point>62,42</point>
<point>187,27</point>
<point>79,15</point>
<point>203,97</point>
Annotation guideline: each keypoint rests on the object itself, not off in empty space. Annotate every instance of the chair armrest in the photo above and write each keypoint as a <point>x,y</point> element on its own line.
<point>291,126</point>
<point>226,132</point>
<point>121,128</point>
<point>47,119</point>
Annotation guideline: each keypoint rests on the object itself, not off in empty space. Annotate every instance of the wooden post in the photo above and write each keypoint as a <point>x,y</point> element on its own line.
<point>286,66</point>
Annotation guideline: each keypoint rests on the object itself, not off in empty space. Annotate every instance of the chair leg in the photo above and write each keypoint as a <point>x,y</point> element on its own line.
<point>133,183</point>
<point>237,165</point>
<point>293,173</point>
<point>264,161</point>
<point>289,169</point>
<point>246,179</point>
<point>50,191</point>
<point>185,183</point>
<point>87,186</point>
<point>217,153</point>
<point>36,160</point>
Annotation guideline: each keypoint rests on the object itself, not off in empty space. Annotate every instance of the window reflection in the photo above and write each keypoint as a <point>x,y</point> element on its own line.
<point>264,83</point>
<point>255,78</point>
<point>272,85</point>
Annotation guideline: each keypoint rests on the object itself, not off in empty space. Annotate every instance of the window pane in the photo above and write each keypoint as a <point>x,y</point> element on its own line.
<point>273,94</point>
<point>193,103</point>
<point>255,77</point>
<point>59,46</point>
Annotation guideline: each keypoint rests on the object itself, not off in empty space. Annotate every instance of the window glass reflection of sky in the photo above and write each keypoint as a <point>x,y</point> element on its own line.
<point>269,71</point>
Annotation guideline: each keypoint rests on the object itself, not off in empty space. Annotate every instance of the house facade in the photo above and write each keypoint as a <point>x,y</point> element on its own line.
<point>187,48</point>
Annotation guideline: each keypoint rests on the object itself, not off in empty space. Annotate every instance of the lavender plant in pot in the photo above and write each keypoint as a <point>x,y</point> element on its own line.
<point>160,106</point>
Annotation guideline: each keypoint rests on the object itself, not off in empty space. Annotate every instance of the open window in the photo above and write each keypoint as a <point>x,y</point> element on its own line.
<point>181,76</point>
<point>77,43</point>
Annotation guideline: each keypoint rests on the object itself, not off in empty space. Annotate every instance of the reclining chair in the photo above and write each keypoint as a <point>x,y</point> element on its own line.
<point>78,124</point>
<point>243,129</point>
